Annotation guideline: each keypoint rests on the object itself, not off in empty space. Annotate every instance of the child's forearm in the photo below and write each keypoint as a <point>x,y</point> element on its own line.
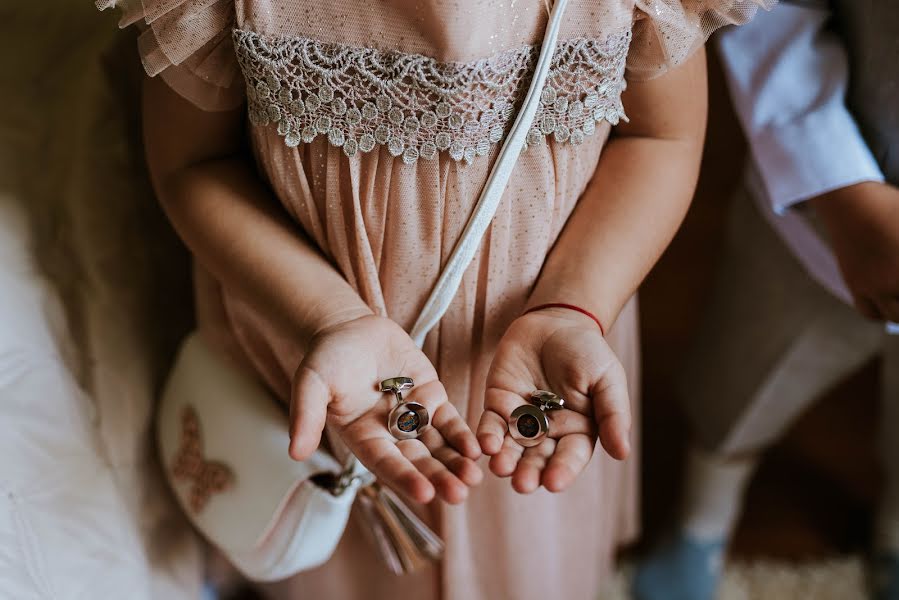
<point>637,199</point>
<point>236,230</point>
<point>620,227</point>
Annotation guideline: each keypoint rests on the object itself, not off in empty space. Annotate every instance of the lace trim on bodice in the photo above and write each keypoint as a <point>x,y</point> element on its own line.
<point>417,106</point>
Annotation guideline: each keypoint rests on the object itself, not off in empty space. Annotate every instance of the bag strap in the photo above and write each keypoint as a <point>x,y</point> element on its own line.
<point>445,289</point>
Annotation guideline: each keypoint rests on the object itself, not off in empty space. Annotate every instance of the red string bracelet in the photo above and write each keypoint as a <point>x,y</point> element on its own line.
<point>569,307</point>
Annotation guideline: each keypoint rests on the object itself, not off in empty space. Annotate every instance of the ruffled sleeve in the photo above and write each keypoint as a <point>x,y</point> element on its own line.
<point>667,32</point>
<point>188,44</point>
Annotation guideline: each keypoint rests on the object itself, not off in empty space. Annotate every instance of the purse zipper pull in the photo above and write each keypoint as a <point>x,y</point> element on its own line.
<point>353,476</point>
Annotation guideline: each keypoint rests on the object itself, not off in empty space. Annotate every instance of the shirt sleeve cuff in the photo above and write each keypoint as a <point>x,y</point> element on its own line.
<point>821,152</point>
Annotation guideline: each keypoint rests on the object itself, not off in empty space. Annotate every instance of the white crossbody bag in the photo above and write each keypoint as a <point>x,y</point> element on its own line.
<point>222,437</point>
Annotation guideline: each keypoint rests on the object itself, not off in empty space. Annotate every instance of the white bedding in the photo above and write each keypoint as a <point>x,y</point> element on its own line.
<point>94,294</point>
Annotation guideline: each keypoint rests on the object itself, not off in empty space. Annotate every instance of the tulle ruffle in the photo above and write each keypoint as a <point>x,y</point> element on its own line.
<point>667,32</point>
<point>187,43</point>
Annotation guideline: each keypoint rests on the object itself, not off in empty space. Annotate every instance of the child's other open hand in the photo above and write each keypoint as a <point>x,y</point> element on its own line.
<point>338,382</point>
<point>562,351</point>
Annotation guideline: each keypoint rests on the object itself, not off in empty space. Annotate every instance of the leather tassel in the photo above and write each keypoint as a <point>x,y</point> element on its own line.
<point>372,524</point>
<point>403,541</point>
<point>426,541</point>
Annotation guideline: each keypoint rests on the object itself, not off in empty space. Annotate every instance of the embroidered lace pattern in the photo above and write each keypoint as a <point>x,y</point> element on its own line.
<point>417,106</point>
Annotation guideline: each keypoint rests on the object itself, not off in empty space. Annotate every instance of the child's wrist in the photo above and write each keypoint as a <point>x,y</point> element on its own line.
<point>335,313</point>
<point>572,285</point>
<point>565,309</point>
<point>552,294</point>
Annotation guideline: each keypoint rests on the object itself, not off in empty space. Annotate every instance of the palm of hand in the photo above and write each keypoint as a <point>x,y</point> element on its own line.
<point>566,354</point>
<point>338,382</point>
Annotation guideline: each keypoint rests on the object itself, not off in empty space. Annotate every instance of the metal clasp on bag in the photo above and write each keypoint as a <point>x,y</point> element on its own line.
<point>353,476</point>
<point>345,481</point>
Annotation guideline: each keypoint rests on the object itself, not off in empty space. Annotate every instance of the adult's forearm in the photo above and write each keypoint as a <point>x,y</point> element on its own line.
<point>625,219</point>
<point>237,231</point>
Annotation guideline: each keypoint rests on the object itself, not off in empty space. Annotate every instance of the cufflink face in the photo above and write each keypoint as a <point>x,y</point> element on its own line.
<point>407,420</point>
<point>528,425</point>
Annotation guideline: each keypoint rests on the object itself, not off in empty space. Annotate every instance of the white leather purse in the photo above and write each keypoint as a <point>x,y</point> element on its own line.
<point>223,439</point>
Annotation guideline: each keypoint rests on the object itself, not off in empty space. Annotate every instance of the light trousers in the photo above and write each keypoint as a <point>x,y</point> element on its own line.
<point>772,342</point>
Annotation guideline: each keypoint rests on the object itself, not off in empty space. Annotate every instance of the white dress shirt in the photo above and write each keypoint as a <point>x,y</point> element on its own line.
<point>788,76</point>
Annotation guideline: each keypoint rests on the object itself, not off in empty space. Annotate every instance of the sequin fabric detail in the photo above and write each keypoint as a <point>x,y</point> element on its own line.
<point>206,477</point>
<point>416,106</point>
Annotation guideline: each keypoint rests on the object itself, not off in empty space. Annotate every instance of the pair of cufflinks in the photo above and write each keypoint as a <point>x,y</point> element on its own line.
<point>528,425</point>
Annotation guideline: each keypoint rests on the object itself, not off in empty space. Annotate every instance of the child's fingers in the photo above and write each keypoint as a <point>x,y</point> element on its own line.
<point>447,485</point>
<point>566,422</point>
<point>614,434</point>
<point>503,463</point>
<point>492,428</point>
<point>466,469</point>
<point>387,462</point>
<point>308,410</point>
<point>612,408</point>
<point>491,432</point>
<point>572,453</point>
<point>455,430</point>
<point>526,478</point>
<point>444,417</point>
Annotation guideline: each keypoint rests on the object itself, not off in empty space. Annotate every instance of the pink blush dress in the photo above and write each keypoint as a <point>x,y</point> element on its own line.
<point>376,123</point>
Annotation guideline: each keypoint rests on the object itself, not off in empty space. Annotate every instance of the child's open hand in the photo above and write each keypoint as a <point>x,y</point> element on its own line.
<point>338,381</point>
<point>564,352</point>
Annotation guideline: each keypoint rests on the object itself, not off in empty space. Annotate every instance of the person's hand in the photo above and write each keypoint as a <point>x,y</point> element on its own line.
<point>564,352</point>
<point>338,382</point>
<point>863,223</point>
